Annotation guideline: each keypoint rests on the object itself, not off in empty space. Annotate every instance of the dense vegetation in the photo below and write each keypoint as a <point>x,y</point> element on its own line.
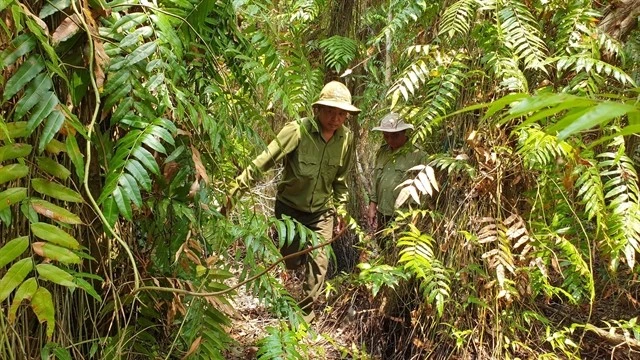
<point>123,124</point>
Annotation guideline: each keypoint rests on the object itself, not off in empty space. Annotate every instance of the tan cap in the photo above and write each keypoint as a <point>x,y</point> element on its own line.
<point>392,122</point>
<point>336,95</point>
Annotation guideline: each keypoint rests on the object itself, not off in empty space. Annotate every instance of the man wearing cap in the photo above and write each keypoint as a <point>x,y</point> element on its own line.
<point>316,155</point>
<point>393,160</point>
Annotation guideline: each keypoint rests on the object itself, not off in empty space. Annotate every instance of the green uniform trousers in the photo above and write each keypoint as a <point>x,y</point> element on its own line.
<point>315,266</point>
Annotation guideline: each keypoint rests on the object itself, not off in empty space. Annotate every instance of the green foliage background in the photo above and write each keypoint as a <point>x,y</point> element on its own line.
<point>122,125</point>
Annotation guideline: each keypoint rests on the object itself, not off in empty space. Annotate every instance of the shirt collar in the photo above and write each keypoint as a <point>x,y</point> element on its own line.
<point>315,128</point>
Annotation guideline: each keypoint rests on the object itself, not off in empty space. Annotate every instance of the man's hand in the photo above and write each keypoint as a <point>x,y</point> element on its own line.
<point>371,215</point>
<point>340,225</point>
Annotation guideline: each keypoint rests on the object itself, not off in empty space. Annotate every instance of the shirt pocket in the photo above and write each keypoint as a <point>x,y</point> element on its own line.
<point>308,164</point>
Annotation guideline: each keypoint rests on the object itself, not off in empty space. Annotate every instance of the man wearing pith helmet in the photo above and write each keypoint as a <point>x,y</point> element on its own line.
<point>392,161</point>
<point>316,154</point>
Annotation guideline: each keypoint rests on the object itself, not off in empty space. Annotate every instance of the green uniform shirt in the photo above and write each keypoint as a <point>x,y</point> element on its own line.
<point>315,171</point>
<point>389,171</point>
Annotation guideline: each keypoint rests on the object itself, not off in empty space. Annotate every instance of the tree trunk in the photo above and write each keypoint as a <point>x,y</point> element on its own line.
<point>620,18</point>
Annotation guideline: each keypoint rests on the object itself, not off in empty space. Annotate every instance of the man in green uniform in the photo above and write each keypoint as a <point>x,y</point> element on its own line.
<point>392,162</point>
<point>316,155</point>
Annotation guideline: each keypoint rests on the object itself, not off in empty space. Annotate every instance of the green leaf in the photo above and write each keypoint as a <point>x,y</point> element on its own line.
<point>147,160</point>
<point>55,190</point>
<point>42,305</point>
<point>12,196</point>
<point>51,167</point>
<point>80,83</point>
<point>110,210</point>
<point>141,53</point>
<point>130,187</point>
<point>14,276</point>
<point>86,286</point>
<point>597,115</point>
<point>14,151</point>
<point>53,6</point>
<point>21,45</point>
<point>55,212</point>
<point>42,110</point>
<point>12,249</point>
<point>123,202</point>
<point>24,292</point>
<point>139,173</point>
<point>5,3</point>
<point>77,158</point>
<point>54,122</point>
<point>55,252</point>
<point>16,129</point>
<point>13,172</point>
<point>54,235</point>
<point>55,147</point>
<point>37,90</point>
<point>56,275</point>
<point>25,73</point>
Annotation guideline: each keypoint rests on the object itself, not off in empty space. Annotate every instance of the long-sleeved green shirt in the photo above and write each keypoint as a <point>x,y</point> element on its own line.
<point>389,171</point>
<point>315,171</point>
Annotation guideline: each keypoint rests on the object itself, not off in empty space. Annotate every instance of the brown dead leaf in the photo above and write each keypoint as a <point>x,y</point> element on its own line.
<point>66,29</point>
<point>102,61</point>
<point>38,248</point>
<point>192,349</point>
<point>200,169</point>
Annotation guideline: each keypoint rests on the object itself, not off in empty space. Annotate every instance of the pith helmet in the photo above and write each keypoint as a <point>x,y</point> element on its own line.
<point>335,94</point>
<point>392,122</point>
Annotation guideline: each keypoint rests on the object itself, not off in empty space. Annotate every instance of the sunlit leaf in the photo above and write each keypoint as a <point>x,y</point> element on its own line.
<point>14,276</point>
<point>12,249</point>
<point>55,252</point>
<point>54,212</point>
<point>56,275</point>
<point>54,235</point>
<point>12,196</point>
<point>14,151</point>
<point>13,172</point>
<point>51,167</point>
<point>42,305</point>
<point>24,292</point>
<point>55,190</point>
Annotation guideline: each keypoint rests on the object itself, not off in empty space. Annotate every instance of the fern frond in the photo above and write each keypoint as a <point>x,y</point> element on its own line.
<point>403,15</point>
<point>424,183</point>
<point>417,256</point>
<point>574,27</point>
<point>453,165</point>
<point>575,270</point>
<point>280,343</point>
<point>522,34</point>
<point>457,18</point>
<point>507,69</point>
<point>622,195</point>
<point>591,192</point>
<point>539,149</point>
<point>339,52</point>
<point>585,63</point>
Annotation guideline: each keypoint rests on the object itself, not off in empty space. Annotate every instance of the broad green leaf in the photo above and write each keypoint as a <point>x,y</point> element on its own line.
<point>55,252</point>
<point>55,190</point>
<point>16,129</point>
<point>5,216</point>
<point>117,96</point>
<point>128,21</point>
<point>12,249</point>
<point>53,6</point>
<point>37,90</point>
<point>21,45</point>
<point>24,292</point>
<point>501,103</point>
<point>154,144</point>
<point>5,3</point>
<point>597,115</point>
<point>42,110</point>
<point>123,202</point>
<point>51,167</point>
<point>55,212</point>
<point>56,275</point>
<point>141,53</point>
<point>130,187</point>
<point>25,73</point>
<point>86,286</point>
<point>76,156</point>
<point>139,173</point>
<point>147,160</point>
<point>14,276</point>
<point>110,210</point>
<point>55,235</point>
<point>116,81</point>
<point>54,122</point>
<point>42,305</point>
<point>80,83</point>
<point>14,151</point>
<point>55,147</point>
<point>12,196</point>
<point>13,172</point>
